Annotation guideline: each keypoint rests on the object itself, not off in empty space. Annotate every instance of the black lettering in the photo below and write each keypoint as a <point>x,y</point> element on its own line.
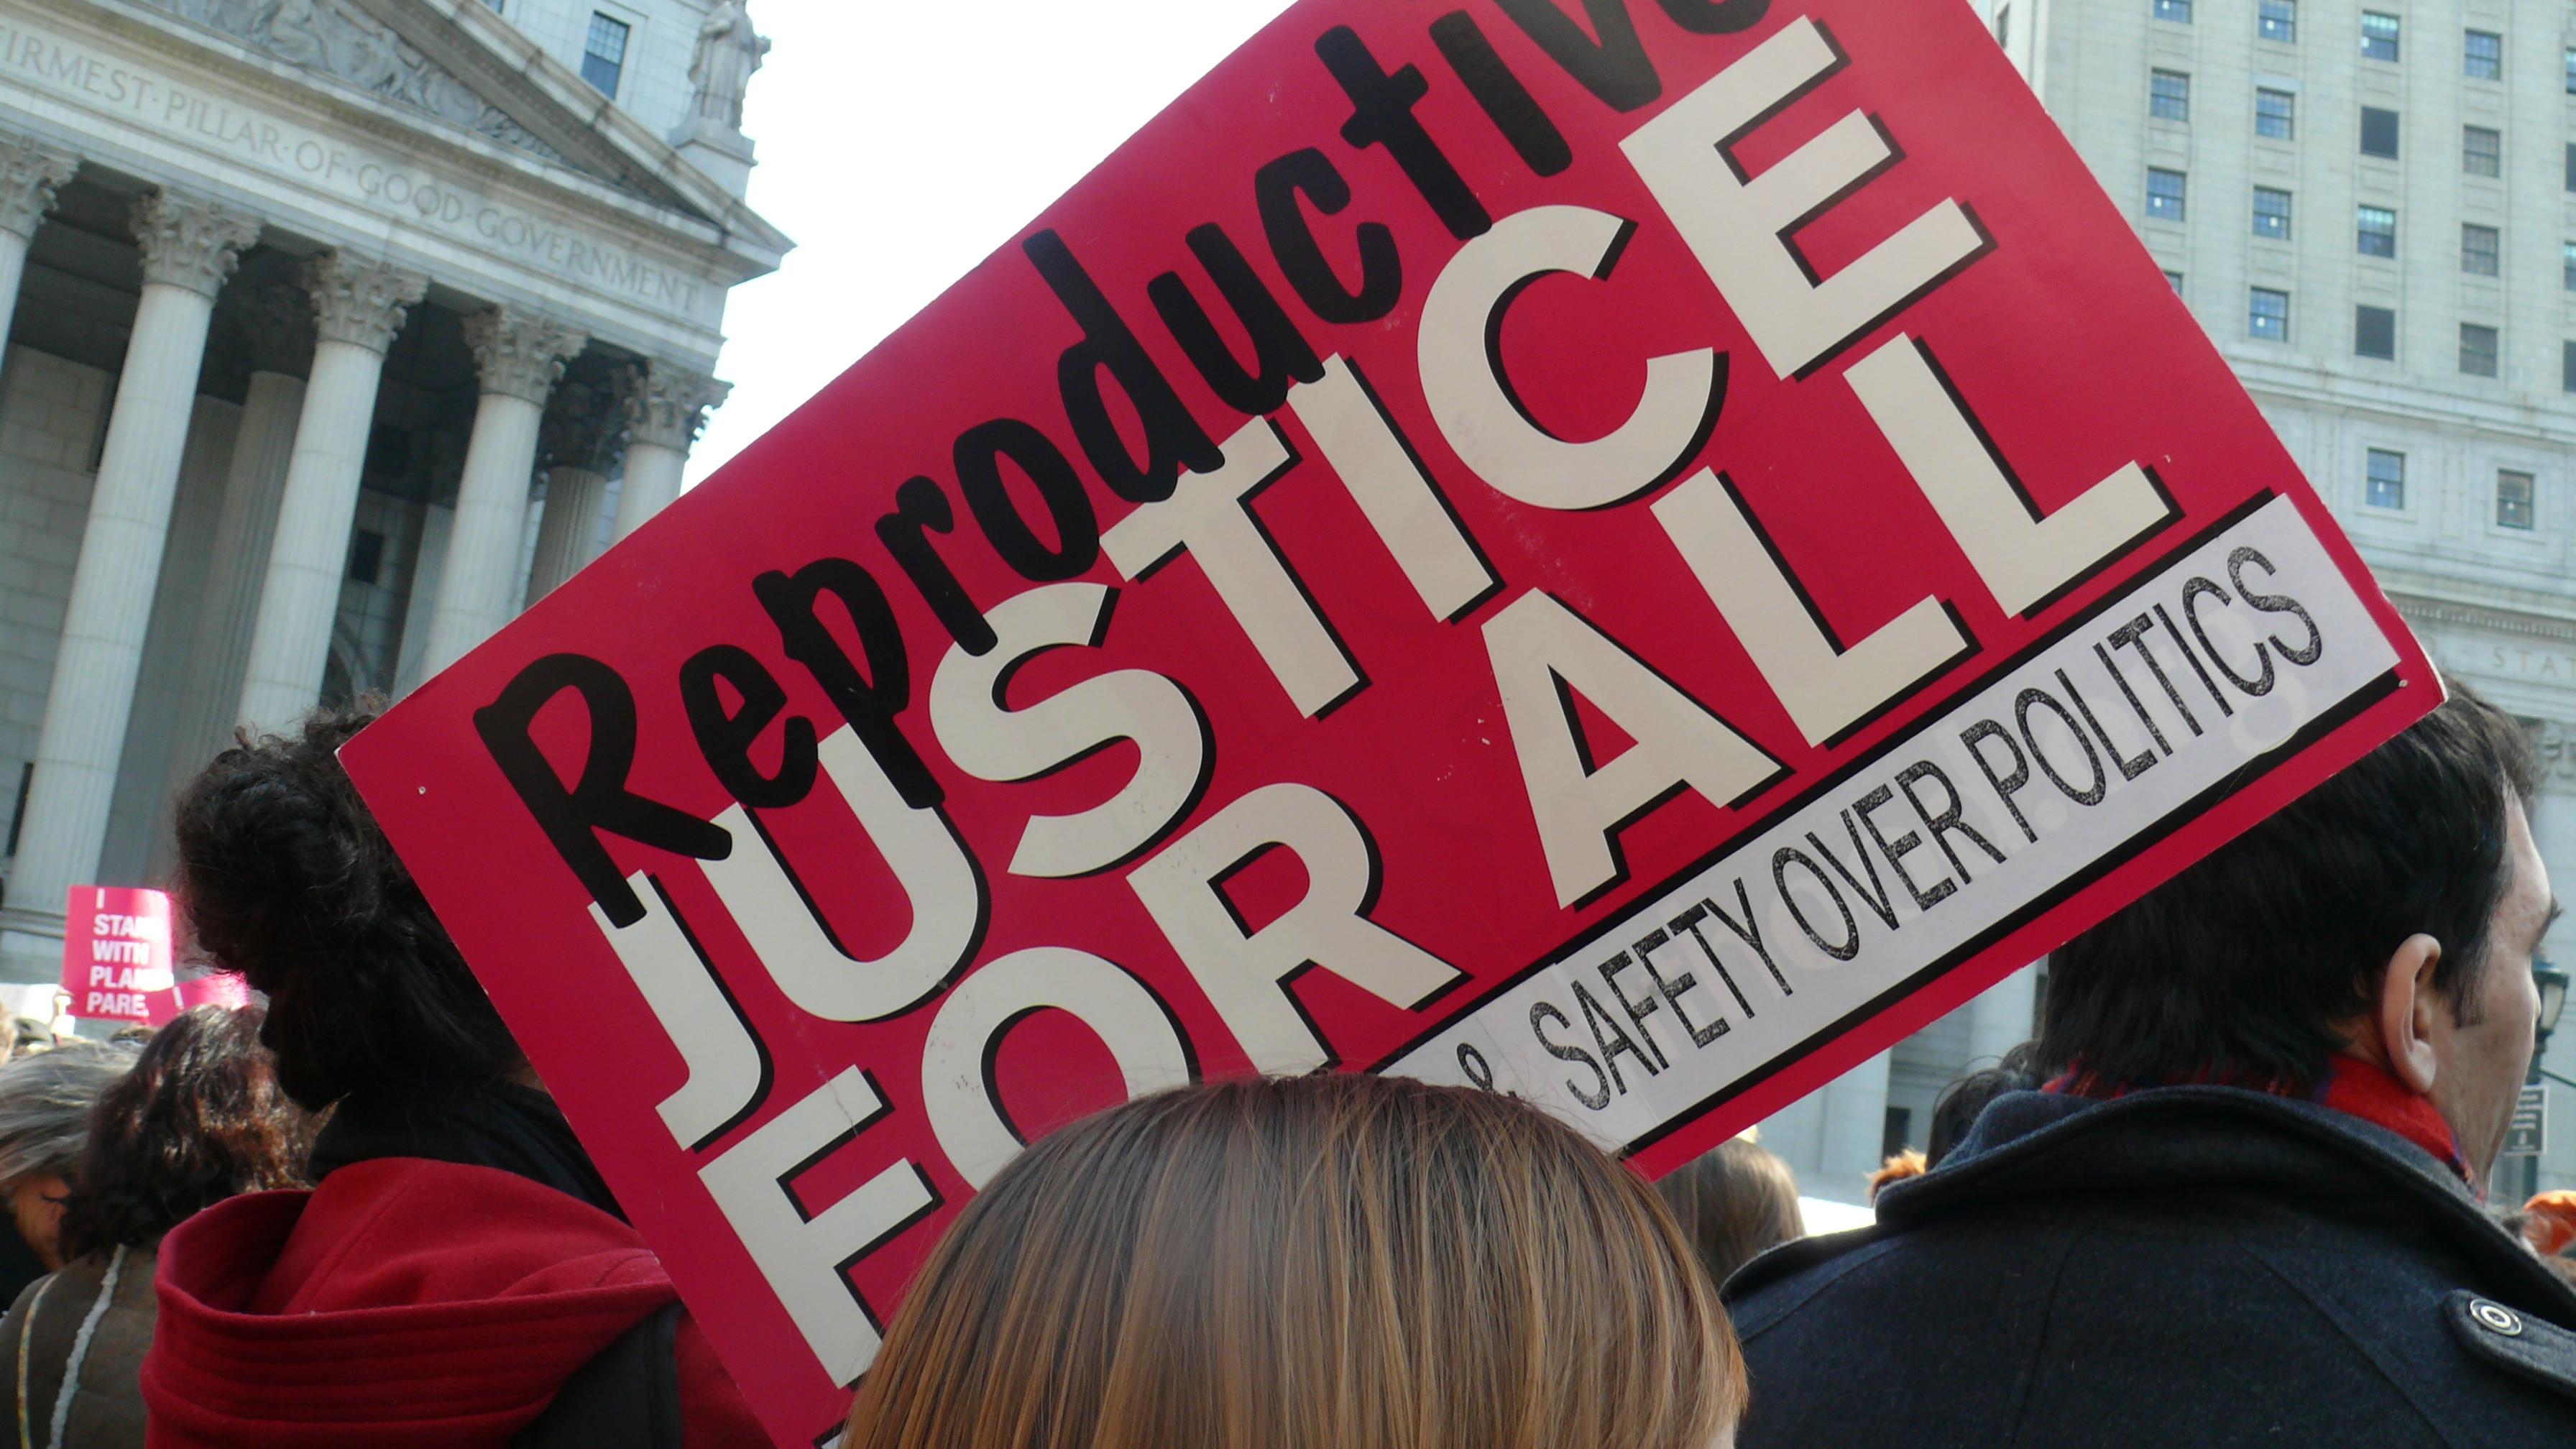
<point>1949,820</point>
<point>2090,795</point>
<point>2192,594</point>
<point>1780,862</point>
<point>1173,439</point>
<point>1896,851</point>
<point>1599,1097</point>
<point>726,736</point>
<point>869,701</point>
<point>978,456</point>
<point>1874,895</point>
<point>2306,654</point>
<point>1280,353</point>
<point>2131,767</point>
<point>1716,17</point>
<point>2133,635</point>
<point>1614,1041</point>
<point>2005,786</point>
<point>2112,667</point>
<point>598,800</point>
<point>1637,1012</point>
<point>1749,931</point>
<point>1613,67</point>
<point>2192,657</point>
<point>1673,989</point>
<point>1312,175</point>
<point>1506,102</point>
<point>920,510</point>
<point>1382,115</point>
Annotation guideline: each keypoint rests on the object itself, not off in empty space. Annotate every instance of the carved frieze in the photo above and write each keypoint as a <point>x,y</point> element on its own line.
<point>337,38</point>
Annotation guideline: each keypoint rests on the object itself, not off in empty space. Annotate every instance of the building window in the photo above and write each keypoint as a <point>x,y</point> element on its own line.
<point>2378,36</point>
<point>2567,265</point>
<point>2479,246</point>
<point>2269,318</point>
<point>2374,333</point>
<point>2384,479</point>
<point>2169,95</point>
<point>2482,57</point>
<point>2479,346</point>
<point>2164,194</point>
<point>2376,235</point>
<point>2567,367</point>
<point>2003,27</point>
<point>2481,151</point>
<point>366,556</point>
<point>2513,499</point>
<point>2378,132</point>
<point>2276,114</point>
<point>2278,20</point>
<point>2272,213</point>
<point>2176,279</point>
<point>2177,11</point>
<point>603,54</point>
<point>2571,70</point>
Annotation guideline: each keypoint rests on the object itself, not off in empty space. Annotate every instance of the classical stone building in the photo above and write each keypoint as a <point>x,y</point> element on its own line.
<point>336,331</point>
<point>2371,206</point>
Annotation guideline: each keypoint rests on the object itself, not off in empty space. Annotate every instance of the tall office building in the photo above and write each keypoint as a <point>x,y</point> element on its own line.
<point>2371,206</point>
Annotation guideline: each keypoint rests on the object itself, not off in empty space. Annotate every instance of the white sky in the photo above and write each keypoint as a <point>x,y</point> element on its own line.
<point>899,144</point>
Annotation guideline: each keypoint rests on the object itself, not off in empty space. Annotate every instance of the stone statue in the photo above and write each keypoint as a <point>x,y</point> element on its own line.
<point>729,50</point>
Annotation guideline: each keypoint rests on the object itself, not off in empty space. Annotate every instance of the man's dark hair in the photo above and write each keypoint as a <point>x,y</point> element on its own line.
<point>1960,1103</point>
<point>200,1118</point>
<point>2242,968</point>
<point>286,878</point>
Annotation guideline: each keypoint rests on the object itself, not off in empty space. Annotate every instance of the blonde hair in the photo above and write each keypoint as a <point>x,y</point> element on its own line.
<point>1335,1262</point>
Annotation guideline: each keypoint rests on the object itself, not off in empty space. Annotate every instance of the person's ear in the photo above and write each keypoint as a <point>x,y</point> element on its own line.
<point>2407,1003</point>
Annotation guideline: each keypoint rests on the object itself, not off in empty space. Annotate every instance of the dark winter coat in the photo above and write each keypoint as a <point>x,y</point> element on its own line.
<point>2181,1267</point>
<point>88,1325</point>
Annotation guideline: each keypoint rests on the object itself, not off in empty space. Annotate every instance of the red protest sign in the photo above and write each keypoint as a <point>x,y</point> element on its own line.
<point>120,955</point>
<point>1631,565</point>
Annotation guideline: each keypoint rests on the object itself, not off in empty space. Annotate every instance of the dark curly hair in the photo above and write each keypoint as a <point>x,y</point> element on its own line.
<point>286,878</point>
<point>200,1118</point>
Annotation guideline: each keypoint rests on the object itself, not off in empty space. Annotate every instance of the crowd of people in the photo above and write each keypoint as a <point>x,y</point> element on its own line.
<point>2236,1190</point>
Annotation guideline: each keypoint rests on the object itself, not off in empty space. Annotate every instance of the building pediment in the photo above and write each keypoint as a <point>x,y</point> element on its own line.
<point>456,66</point>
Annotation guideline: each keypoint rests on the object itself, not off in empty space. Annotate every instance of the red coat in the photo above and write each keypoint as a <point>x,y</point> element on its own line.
<point>404,1302</point>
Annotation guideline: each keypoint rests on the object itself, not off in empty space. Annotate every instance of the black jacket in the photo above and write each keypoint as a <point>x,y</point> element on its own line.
<point>2182,1267</point>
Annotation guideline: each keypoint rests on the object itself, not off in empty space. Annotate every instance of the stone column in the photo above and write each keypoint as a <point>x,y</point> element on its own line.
<point>189,247</point>
<point>358,306</point>
<point>578,447</point>
<point>29,174</point>
<point>519,359</point>
<point>665,408</point>
<point>279,321</point>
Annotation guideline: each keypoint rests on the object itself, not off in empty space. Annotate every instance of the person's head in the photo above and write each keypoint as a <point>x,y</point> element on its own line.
<point>1344,1260</point>
<point>200,1118</point>
<point>2391,913</point>
<point>1957,1108</point>
<point>286,878</point>
<point>1736,1201</point>
<point>45,1103</point>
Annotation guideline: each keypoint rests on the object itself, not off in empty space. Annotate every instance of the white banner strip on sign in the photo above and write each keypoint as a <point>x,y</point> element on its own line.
<point>1938,843</point>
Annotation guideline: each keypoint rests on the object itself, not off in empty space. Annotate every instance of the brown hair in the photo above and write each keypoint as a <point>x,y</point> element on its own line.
<point>1737,1201</point>
<point>1334,1262</point>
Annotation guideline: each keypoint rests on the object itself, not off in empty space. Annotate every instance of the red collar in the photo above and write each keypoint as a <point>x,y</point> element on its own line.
<point>2352,1085</point>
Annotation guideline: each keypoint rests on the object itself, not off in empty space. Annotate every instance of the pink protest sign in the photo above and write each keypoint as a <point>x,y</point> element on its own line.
<point>121,954</point>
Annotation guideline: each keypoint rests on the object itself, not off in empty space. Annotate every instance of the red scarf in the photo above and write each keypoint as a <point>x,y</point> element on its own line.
<point>2351,1085</point>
